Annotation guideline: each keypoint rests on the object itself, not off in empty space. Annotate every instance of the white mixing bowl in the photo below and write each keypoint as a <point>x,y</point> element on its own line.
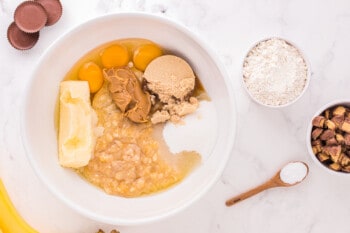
<point>210,131</point>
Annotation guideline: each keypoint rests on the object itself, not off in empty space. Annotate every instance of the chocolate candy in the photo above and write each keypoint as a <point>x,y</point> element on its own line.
<point>19,39</point>
<point>30,16</point>
<point>53,9</point>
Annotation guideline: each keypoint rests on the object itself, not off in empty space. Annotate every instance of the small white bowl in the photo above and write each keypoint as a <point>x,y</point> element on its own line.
<point>301,93</point>
<point>211,131</point>
<point>334,103</point>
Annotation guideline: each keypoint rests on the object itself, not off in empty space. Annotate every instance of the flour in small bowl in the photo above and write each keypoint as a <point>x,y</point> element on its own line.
<point>274,72</point>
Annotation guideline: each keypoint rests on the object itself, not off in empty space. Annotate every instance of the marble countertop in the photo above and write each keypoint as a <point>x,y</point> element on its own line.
<point>266,138</point>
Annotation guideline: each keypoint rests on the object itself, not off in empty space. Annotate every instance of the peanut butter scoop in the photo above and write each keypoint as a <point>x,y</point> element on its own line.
<point>127,94</point>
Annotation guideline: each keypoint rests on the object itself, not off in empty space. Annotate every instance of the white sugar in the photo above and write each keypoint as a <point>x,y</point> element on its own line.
<point>293,172</point>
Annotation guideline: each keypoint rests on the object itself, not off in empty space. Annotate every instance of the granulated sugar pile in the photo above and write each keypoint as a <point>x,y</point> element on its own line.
<point>274,72</point>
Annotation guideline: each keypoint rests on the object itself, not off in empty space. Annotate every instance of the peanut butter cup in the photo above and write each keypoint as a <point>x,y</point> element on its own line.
<point>53,9</point>
<point>30,16</point>
<point>19,39</point>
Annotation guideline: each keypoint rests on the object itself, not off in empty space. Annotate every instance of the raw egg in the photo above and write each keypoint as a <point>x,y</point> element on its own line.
<point>144,54</point>
<point>92,73</point>
<point>115,55</point>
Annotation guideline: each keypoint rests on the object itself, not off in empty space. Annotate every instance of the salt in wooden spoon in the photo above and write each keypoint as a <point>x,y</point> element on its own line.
<point>291,174</point>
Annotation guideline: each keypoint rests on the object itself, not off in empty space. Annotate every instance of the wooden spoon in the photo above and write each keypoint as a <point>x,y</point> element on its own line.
<point>275,181</point>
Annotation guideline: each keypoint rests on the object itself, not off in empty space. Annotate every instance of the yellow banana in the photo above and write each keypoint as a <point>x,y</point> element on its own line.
<point>10,220</point>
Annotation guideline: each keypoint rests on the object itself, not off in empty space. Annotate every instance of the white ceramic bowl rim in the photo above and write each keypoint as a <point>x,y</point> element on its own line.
<point>228,137</point>
<point>307,79</point>
<point>345,102</point>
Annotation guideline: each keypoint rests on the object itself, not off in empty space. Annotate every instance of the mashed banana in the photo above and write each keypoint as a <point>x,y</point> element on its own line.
<point>128,160</point>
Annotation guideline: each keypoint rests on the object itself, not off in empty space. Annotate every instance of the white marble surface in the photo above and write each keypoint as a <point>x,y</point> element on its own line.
<point>265,140</point>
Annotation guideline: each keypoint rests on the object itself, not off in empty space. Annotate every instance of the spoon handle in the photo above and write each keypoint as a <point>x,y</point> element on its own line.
<point>252,192</point>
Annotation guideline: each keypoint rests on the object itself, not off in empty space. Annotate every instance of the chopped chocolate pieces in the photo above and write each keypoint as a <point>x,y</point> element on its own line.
<point>331,142</point>
<point>340,138</point>
<point>318,121</point>
<point>339,111</point>
<point>344,160</point>
<point>112,231</point>
<point>330,125</point>
<point>327,113</point>
<point>346,125</point>
<point>335,166</point>
<point>316,149</point>
<point>316,133</point>
<point>330,138</point>
<point>327,134</point>
<point>332,150</point>
<point>323,157</point>
<point>347,139</point>
<point>338,120</point>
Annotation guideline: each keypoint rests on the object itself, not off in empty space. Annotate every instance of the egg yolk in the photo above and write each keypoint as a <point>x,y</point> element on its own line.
<point>115,55</point>
<point>92,73</point>
<point>144,54</point>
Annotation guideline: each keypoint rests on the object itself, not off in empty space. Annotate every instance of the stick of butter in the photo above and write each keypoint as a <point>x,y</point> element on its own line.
<point>76,140</point>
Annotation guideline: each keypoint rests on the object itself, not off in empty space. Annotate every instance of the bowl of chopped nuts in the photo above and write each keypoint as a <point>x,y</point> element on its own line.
<point>328,137</point>
<point>275,72</point>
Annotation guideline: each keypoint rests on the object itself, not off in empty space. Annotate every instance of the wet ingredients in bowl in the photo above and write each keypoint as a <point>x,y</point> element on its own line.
<point>275,73</point>
<point>116,141</point>
<point>129,158</point>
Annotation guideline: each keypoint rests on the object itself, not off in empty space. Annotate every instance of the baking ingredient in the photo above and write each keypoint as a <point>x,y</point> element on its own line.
<point>21,40</point>
<point>112,231</point>
<point>30,16</point>
<point>92,73</point>
<point>293,172</point>
<point>144,54</point>
<point>274,72</point>
<point>128,160</point>
<point>10,219</point>
<point>330,138</point>
<point>171,80</point>
<point>130,157</point>
<point>53,9</point>
<point>170,77</point>
<point>128,95</point>
<point>114,56</point>
<point>76,138</point>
